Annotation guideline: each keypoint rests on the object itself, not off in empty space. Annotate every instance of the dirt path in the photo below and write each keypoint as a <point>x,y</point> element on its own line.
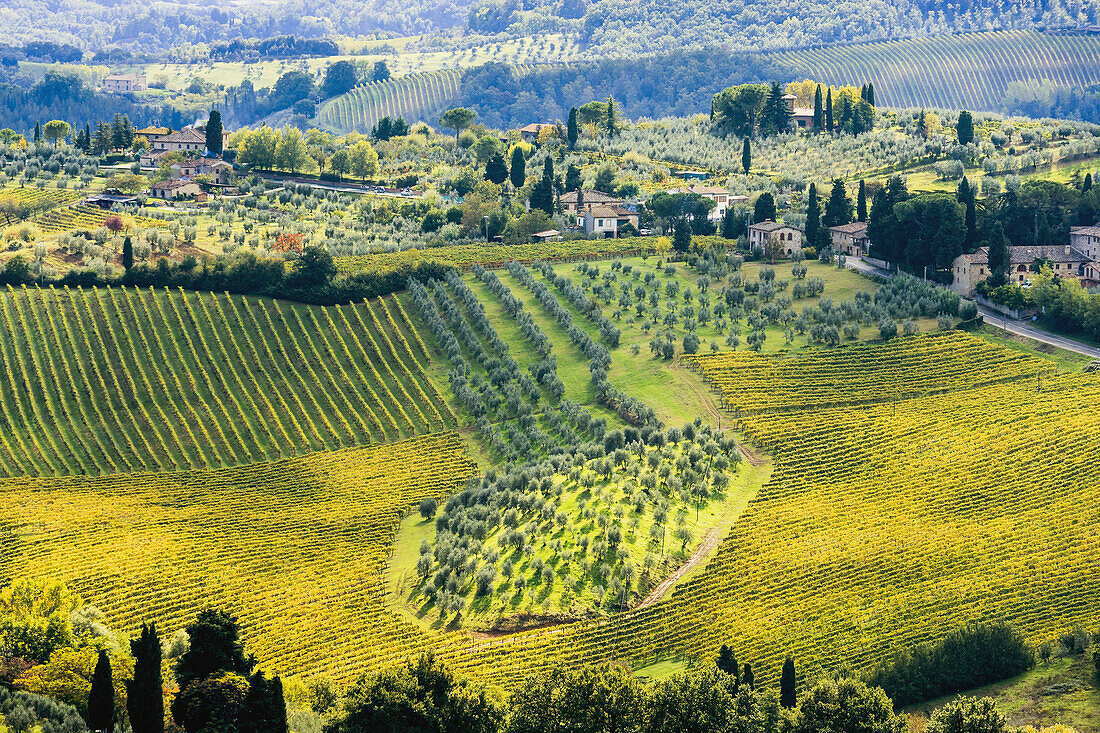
<point>702,395</point>
<point>710,542</point>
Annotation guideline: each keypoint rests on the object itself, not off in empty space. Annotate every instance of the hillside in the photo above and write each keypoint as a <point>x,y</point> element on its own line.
<point>970,71</point>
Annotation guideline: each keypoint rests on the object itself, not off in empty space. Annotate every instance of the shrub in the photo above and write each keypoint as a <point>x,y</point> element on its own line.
<point>428,507</point>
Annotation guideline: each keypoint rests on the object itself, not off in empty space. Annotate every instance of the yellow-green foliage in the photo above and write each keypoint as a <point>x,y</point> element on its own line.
<point>294,548</point>
<point>120,380</point>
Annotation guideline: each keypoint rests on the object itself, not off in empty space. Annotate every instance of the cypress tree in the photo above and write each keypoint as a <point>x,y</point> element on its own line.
<point>871,93</point>
<point>144,694</point>
<point>764,208</point>
<point>861,201</point>
<point>214,133</point>
<point>518,174</point>
<point>264,710</point>
<point>965,196</point>
<point>101,698</point>
<point>612,124</point>
<point>787,695</point>
<point>829,110</point>
<point>1086,185</point>
<point>819,113</point>
<point>999,256</point>
<point>572,132</point>
<point>863,92</point>
<point>965,128</point>
<point>580,200</point>
<point>727,662</point>
<point>746,156</point>
<point>37,132</point>
<point>681,238</point>
<point>748,678</point>
<point>814,230</point>
<point>127,254</point>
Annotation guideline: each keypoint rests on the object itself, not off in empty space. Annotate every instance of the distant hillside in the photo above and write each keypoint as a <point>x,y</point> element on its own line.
<point>971,70</point>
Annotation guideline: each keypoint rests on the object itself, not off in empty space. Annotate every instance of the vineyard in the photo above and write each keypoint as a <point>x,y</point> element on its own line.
<point>971,70</point>
<point>464,256</point>
<point>39,199</point>
<point>69,218</point>
<point>121,380</point>
<point>415,97</point>
<point>860,373</point>
<point>295,548</point>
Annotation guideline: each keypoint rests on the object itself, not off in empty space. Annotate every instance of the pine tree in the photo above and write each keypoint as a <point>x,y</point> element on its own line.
<point>127,254</point>
<point>748,678</point>
<point>861,201</point>
<point>572,131</point>
<point>101,698</point>
<point>214,133</point>
<point>727,662</point>
<point>264,710</point>
<point>787,694</point>
<point>819,113</point>
<point>777,116</point>
<point>495,169</point>
<point>965,128</point>
<point>746,156</point>
<point>829,110</point>
<point>145,693</point>
<point>518,174</point>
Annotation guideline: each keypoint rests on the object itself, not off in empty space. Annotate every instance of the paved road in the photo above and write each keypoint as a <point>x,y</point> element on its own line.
<point>995,319</point>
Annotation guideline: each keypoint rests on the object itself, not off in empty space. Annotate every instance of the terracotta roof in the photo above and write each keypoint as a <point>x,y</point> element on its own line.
<point>603,212</point>
<point>1025,255</point>
<point>172,183</point>
<point>1087,231</point>
<point>704,190</point>
<point>856,227</point>
<point>535,127</point>
<point>186,135</point>
<point>590,197</point>
<point>771,226</point>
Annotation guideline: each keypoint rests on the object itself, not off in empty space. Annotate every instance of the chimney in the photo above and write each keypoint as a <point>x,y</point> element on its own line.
<point>1067,249</point>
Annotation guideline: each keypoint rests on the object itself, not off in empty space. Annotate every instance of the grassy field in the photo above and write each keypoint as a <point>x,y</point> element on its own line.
<point>122,380</point>
<point>968,70</point>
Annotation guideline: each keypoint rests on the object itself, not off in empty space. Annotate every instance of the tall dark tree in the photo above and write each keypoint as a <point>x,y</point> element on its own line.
<point>1086,185</point>
<point>965,196</point>
<point>101,698</point>
<point>838,209</point>
<point>145,693</point>
<point>572,178</point>
<point>819,113</point>
<point>127,254</point>
<point>776,117</point>
<point>681,238</point>
<point>572,131</point>
<point>764,208</point>
<point>264,710</point>
<point>496,170</point>
<point>787,693</point>
<point>965,128</point>
<point>861,201</point>
<point>37,132</point>
<point>748,677</point>
<point>746,156</point>
<point>518,174</point>
<point>580,200</point>
<point>829,110</point>
<point>340,78</point>
<point>214,132</point>
<point>542,193</point>
<point>883,228</point>
<point>727,662</point>
<point>871,93</point>
<point>612,121</point>
<point>999,256</point>
<point>215,647</point>
<point>817,236</point>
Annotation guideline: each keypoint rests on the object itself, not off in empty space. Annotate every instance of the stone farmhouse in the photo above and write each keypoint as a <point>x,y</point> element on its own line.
<point>591,198</point>
<point>606,220</point>
<point>1087,241</point>
<point>788,237</point>
<point>187,140</point>
<point>218,170</point>
<point>125,83</point>
<point>851,239</point>
<point>801,117</point>
<point>530,133</point>
<point>177,188</point>
<point>1065,261</point>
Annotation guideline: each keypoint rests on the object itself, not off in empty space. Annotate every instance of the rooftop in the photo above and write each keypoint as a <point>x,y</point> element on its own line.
<point>1025,255</point>
<point>856,227</point>
<point>591,196</point>
<point>771,226</point>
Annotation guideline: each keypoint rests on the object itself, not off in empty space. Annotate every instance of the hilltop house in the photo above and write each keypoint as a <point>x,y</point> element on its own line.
<point>851,239</point>
<point>801,117</point>
<point>606,220</point>
<point>591,198</point>
<point>722,198</point>
<point>1065,261</point>
<point>789,238</point>
<point>218,170</point>
<point>189,139</point>
<point>125,83</point>
<point>530,133</point>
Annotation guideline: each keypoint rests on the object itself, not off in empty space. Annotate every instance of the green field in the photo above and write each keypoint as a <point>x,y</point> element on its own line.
<point>968,71</point>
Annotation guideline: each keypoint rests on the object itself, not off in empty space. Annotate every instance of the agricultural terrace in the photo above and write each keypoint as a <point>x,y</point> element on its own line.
<point>295,548</point>
<point>119,380</point>
<point>968,70</point>
<point>863,372</point>
<point>881,526</point>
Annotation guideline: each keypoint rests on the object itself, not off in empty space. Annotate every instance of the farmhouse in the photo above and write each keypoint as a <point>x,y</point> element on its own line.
<point>788,237</point>
<point>1065,261</point>
<point>722,198</point>
<point>1086,240</point>
<point>125,83</point>
<point>173,189</point>
<point>851,239</point>
<point>530,133</point>
<point>218,170</point>
<point>801,117</point>
<point>606,221</point>
<point>591,197</point>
